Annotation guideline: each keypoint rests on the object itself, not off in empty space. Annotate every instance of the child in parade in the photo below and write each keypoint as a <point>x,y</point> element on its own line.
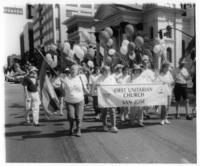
<point>32,96</point>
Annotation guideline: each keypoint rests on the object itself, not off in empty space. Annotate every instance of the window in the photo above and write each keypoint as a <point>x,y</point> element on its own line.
<point>57,23</point>
<point>151,33</point>
<point>72,5</point>
<point>86,6</point>
<point>169,54</point>
<point>88,13</point>
<point>70,13</point>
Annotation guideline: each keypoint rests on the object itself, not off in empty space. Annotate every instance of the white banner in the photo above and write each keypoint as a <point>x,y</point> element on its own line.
<point>125,95</point>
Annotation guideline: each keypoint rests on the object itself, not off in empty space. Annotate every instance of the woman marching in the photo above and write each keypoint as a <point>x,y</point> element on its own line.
<point>74,99</point>
<point>32,96</point>
<point>166,78</point>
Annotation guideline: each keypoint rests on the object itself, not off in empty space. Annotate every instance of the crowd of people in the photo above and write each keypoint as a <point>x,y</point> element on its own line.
<point>75,84</point>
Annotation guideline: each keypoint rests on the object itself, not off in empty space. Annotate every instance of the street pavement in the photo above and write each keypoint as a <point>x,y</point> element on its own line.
<point>51,143</point>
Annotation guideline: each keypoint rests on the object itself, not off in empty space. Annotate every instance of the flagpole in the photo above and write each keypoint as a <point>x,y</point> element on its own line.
<point>46,60</point>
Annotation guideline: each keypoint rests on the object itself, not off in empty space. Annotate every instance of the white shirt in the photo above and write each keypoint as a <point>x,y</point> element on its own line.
<point>181,75</point>
<point>73,89</point>
<point>148,75</point>
<point>123,79</point>
<point>167,79</point>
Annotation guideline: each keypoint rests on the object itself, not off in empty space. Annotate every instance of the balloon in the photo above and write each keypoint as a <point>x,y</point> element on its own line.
<point>104,36</point>
<point>86,35</point>
<point>54,61</point>
<point>84,49</point>
<point>157,49</point>
<point>108,60</point>
<point>109,30</point>
<point>90,64</point>
<point>71,54</point>
<point>91,53</point>
<point>79,52</point>
<point>53,47</point>
<point>111,51</point>
<point>101,51</point>
<point>139,41</point>
<point>49,58</point>
<point>124,49</point>
<point>125,42</point>
<point>110,42</point>
<point>66,48</point>
<point>132,56</point>
<point>131,46</point>
<point>129,29</point>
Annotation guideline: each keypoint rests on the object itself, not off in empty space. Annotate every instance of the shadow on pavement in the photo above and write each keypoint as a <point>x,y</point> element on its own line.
<point>21,133</point>
<point>59,133</point>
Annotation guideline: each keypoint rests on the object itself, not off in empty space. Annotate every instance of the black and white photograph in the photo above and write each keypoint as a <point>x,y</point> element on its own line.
<point>99,82</point>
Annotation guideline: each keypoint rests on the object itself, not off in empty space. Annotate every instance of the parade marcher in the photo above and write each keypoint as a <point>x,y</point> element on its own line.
<point>74,98</point>
<point>149,76</point>
<point>93,79</point>
<point>59,89</point>
<point>137,112</point>
<point>107,79</point>
<point>181,76</point>
<point>32,96</point>
<point>167,79</point>
<point>122,79</point>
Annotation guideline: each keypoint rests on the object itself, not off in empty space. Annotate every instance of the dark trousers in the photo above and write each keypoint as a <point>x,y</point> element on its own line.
<point>95,105</point>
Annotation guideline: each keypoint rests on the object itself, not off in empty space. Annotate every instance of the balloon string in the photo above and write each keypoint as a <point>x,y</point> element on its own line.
<point>46,61</point>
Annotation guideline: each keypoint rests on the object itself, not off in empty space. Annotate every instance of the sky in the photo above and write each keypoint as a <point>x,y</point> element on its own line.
<point>13,26</point>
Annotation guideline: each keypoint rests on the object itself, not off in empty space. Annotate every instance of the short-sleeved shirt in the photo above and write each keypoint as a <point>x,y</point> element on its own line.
<point>31,87</point>
<point>148,75</point>
<point>181,75</point>
<point>73,89</point>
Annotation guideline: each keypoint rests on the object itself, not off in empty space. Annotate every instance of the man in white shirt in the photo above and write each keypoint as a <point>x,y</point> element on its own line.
<point>181,76</point>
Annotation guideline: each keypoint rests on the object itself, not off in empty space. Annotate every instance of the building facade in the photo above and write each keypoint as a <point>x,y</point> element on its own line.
<point>48,19</point>
<point>150,19</point>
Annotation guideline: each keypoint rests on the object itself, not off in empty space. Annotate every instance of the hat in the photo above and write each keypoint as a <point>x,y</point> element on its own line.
<point>119,66</point>
<point>137,67</point>
<point>33,68</point>
<point>145,57</point>
<point>75,67</point>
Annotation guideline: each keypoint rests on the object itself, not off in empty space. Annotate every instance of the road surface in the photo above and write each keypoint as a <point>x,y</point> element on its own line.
<point>50,142</point>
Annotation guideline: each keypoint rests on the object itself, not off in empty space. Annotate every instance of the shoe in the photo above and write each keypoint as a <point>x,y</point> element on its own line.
<point>78,134</point>
<point>71,132</point>
<point>178,116</point>
<point>97,117</point>
<point>162,122</point>
<point>148,117</point>
<point>114,129</point>
<point>36,125</point>
<point>105,128</point>
<point>167,121</point>
<point>141,124</point>
<point>189,117</point>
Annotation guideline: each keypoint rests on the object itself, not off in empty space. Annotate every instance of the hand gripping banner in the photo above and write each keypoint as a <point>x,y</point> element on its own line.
<point>131,95</point>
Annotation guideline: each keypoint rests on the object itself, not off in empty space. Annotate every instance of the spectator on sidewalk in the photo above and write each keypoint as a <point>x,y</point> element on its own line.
<point>181,76</point>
